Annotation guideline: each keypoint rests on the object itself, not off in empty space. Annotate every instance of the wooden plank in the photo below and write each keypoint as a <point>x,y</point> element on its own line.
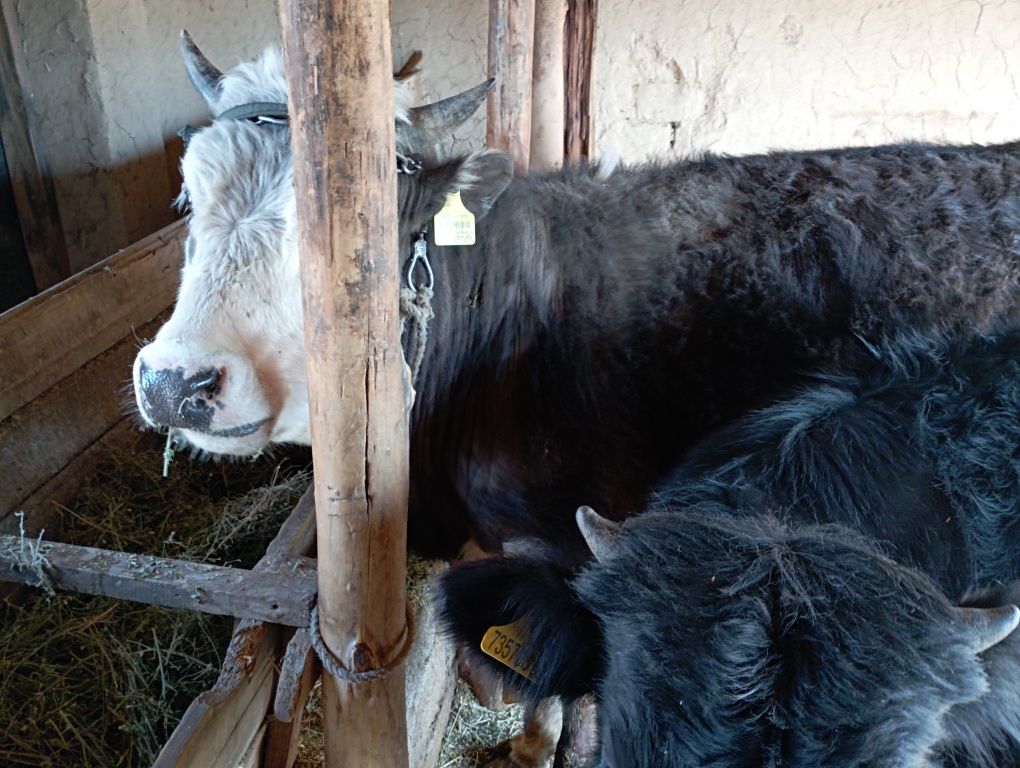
<point>431,683</point>
<point>45,436</point>
<point>219,725</point>
<point>30,177</point>
<point>548,114</point>
<point>42,509</point>
<point>511,46</point>
<point>337,60</point>
<point>252,758</point>
<point>50,336</point>
<point>579,55</point>
<point>284,596</point>
<point>298,664</point>
<point>298,674</point>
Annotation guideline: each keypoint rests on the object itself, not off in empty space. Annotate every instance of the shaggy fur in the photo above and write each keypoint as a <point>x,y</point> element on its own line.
<point>602,322</point>
<point>599,326</point>
<point>785,600</point>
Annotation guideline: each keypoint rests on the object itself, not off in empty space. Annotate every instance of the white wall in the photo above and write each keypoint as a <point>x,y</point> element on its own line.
<point>107,93</point>
<point>675,78</point>
<point>672,77</point>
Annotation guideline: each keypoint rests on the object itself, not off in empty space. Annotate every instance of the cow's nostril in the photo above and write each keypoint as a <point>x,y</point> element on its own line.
<point>206,381</point>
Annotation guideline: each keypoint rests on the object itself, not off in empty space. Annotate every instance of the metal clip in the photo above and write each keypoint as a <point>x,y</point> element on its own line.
<point>420,253</point>
<point>407,165</point>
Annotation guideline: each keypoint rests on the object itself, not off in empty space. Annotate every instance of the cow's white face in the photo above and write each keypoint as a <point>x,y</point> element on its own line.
<point>227,370</point>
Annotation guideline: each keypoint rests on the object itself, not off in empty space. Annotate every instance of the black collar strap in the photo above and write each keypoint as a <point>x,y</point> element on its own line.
<point>258,111</point>
<point>275,113</point>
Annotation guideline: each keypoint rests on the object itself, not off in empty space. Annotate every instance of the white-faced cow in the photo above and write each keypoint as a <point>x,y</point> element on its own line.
<point>600,323</point>
<point>826,583</point>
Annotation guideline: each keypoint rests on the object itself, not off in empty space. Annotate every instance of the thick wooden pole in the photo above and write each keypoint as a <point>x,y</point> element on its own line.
<point>339,73</point>
<point>547,86</point>
<point>511,45</point>
<point>580,48</point>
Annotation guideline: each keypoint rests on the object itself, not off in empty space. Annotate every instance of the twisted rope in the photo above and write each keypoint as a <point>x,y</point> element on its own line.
<point>416,308</point>
<point>332,665</point>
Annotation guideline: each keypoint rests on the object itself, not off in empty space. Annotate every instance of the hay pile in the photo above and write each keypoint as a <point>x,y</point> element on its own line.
<point>94,682</point>
<point>472,730</point>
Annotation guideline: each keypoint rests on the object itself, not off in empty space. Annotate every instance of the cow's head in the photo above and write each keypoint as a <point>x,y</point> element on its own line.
<point>227,369</point>
<point>711,640</point>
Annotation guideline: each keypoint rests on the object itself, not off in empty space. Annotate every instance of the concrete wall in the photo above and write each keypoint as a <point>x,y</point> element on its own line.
<point>672,77</point>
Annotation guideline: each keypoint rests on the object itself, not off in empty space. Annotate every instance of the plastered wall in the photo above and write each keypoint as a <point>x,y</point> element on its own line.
<point>676,77</point>
<point>672,78</point>
<point>106,94</point>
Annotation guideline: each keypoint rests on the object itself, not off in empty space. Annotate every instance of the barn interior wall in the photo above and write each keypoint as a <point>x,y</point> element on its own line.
<point>676,78</point>
<point>107,93</point>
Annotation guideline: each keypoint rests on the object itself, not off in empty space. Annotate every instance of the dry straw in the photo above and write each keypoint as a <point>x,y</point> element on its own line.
<point>93,682</point>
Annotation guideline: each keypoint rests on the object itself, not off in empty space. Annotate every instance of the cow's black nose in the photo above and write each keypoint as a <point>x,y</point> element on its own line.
<point>169,397</point>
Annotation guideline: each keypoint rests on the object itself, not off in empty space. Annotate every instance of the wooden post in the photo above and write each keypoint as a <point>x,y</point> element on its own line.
<point>547,86</point>
<point>511,44</point>
<point>580,48</point>
<point>30,178</point>
<point>337,56</point>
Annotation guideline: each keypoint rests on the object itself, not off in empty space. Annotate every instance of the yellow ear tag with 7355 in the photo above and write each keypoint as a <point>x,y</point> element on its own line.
<point>506,645</point>
<point>455,224</point>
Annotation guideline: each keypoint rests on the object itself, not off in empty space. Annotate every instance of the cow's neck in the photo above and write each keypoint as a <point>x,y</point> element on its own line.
<point>491,302</point>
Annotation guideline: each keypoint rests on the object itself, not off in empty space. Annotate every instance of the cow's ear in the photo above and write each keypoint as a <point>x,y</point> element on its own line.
<point>481,178</point>
<point>506,601</point>
<point>972,726</point>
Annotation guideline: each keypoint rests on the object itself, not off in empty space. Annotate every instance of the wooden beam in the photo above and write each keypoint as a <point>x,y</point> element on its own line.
<point>338,59</point>
<point>548,117</point>
<point>511,46</point>
<point>283,596</point>
<point>39,440</point>
<point>55,333</point>
<point>30,177</point>
<point>580,49</point>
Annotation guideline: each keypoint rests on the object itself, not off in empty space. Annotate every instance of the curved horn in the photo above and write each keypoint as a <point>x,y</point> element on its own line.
<point>438,120</point>
<point>599,534</point>
<point>990,625</point>
<point>205,77</point>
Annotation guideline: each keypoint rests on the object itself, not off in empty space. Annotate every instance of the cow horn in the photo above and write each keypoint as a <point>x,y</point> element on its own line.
<point>600,534</point>
<point>438,120</point>
<point>203,74</point>
<point>989,625</point>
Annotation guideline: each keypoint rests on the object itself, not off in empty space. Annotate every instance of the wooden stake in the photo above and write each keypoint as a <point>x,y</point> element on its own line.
<point>547,86</point>
<point>580,47</point>
<point>511,44</point>
<point>30,176</point>
<point>338,62</point>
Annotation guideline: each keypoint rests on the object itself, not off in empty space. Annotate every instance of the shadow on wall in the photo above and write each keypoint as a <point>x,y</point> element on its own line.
<point>102,211</point>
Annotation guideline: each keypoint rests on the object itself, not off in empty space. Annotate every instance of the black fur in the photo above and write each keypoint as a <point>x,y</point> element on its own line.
<point>786,599</point>
<point>600,326</point>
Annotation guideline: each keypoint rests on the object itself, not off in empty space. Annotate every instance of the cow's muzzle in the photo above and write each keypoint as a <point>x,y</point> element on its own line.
<point>171,399</point>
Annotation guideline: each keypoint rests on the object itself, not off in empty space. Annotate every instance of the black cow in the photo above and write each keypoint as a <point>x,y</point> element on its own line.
<point>599,324</point>
<point>793,595</point>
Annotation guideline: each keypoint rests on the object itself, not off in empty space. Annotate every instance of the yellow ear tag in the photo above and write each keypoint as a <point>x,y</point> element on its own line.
<point>506,644</point>
<point>455,224</point>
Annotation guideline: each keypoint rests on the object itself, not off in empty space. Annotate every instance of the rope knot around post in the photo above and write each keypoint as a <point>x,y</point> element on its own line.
<point>357,677</point>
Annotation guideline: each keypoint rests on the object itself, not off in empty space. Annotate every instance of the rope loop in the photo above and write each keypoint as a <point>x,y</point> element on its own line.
<point>333,665</point>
